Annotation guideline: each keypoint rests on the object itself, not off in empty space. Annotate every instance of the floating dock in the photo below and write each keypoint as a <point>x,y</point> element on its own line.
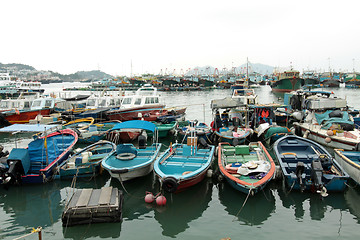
<point>93,206</point>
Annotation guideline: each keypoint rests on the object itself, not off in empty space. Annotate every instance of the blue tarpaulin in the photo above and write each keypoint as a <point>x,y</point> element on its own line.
<point>28,128</point>
<point>137,124</point>
<point>326,121</point>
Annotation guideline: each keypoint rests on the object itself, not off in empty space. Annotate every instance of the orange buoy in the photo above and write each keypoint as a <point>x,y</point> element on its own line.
<point>327,139</point>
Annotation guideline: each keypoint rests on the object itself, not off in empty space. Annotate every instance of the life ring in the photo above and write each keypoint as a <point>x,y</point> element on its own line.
<point>169,184</point>
<point>125,156</point>
<point>232,168</point>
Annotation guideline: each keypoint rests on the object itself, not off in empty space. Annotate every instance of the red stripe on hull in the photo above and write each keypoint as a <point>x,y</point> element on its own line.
<point>26,116</point>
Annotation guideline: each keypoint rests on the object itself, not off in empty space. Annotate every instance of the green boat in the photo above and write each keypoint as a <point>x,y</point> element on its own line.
<point>163,129</point>
<point>286,81</point>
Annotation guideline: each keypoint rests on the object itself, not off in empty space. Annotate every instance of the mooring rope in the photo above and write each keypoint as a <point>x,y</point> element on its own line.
<point>242,205</point>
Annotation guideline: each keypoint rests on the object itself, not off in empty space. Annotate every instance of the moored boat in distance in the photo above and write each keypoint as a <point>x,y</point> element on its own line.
<point>145,104</point>
<point>286,81</point>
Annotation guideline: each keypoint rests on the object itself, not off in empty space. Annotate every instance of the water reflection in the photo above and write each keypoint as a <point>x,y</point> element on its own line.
<point>256,210</point>
<point>352,197</point>
<point>184,207</point>
<point>134,205</point>
<point>31,206</point>
<point>317,206</point>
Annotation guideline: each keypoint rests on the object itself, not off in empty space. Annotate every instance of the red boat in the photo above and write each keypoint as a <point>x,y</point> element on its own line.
<point>147,113</point>
<point>24,116</point>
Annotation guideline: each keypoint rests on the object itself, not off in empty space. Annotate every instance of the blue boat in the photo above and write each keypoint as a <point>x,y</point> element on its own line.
<point>183,165</point>
<point>130,161</point>
<point>87,162</point>
<point>307,165</point>
<point>38,162</point>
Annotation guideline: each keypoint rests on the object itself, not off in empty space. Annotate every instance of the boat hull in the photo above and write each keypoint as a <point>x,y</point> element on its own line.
<point>22,117</point>
<point>138,166</point>
<point>286,85</point>
<point>243,183</point>
<point>46,174</point>
<point>350,166</point>
<point>315,133</point>
<point>292,150</point>
<point>149,113</point>
<point>182,166</point>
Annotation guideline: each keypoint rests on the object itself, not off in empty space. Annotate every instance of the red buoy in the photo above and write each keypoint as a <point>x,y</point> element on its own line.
<point>149,197</point>
<point>161,200</point>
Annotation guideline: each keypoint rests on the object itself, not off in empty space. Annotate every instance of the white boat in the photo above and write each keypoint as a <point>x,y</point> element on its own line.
<point>323,124</point>
<point>144,104</point>
<point>350,162</point>
<point>129,161</point>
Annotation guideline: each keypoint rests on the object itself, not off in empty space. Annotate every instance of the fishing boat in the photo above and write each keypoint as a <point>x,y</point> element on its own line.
<point>307,165</point>
<point>311,79</point>
<point>86,162</point>
<point>183,165</point>
<point>201,130</point>
<point>329,79</point>
<point>247,168</point>
<point>228,124</point>
<point>41,106</point>
<point>129,161</point>
<point>38,162</point>
<point>163,129</point>
<point>286,81</point>
<point>350,162</point>
<point>334,129</point>
<point>352,80</point>
<point>145,104</point>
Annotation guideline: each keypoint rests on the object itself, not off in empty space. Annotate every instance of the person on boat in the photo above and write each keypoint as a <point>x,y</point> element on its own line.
<point>217,123</point>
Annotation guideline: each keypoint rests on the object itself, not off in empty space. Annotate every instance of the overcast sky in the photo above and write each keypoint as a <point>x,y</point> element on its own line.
<point>69,36</point>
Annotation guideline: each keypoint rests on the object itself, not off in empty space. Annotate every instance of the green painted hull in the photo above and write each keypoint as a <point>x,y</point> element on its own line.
<point>286,85</point>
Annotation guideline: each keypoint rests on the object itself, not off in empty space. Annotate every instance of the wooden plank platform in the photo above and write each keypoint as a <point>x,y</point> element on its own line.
<point>93,206</point>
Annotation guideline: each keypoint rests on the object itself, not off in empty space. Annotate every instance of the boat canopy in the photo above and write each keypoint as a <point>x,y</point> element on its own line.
<point>137,124</point>
<point>28,128</point>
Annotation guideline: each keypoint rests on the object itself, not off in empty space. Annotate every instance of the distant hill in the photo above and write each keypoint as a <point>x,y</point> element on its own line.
<point>89,75</point>
<point>22,69</point>
<point>253,67</point>
<point>16,66</point>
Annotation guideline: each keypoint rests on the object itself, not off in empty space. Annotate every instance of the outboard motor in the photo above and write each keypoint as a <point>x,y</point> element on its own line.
<point>13,175</point>
<point>317,173</point>
<point>203,143</point>
<point>300,168</point>
<point>326,162</point>
<point>19,164</point>
<point>142,140</point>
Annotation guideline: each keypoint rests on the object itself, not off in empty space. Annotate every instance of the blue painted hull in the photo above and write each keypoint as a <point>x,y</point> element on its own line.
<point>292,150</point>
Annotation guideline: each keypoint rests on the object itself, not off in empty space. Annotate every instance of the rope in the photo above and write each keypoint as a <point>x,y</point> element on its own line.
<point>243,205</point>
<point>37,230</point>
<point>290,188</point>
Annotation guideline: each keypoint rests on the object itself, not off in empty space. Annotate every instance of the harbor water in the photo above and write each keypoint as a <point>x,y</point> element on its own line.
<point>209,210</point>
